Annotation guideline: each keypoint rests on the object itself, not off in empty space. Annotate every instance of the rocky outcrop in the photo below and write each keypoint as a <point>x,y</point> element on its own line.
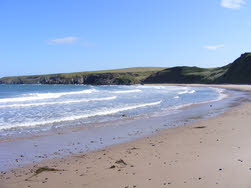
<point>92,79</point>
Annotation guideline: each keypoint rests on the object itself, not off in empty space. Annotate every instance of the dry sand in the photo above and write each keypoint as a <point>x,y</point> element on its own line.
<point>209,153</point>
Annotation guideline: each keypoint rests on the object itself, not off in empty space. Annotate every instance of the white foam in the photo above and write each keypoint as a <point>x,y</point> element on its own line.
<point>186,92</point>
<point>176,97</point>
<point>221,96</point>
<point>54,103</point>
<point>128,91</point>
<point>77,117</point>
<point>152,87</point>
<point>41,96</point>
<point>221,93</point>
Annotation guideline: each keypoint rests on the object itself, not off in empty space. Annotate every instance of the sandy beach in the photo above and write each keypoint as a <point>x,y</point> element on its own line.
<point>208,153</point>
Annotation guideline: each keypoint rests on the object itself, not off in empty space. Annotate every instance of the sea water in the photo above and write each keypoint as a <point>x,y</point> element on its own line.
<point>31,109</point>
<point>39,122</point>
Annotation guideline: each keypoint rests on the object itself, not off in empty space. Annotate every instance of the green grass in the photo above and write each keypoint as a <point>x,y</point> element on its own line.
<point>122,76</point>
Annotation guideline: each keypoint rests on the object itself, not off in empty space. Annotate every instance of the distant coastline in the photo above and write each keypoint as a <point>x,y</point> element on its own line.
<point>237,72</point>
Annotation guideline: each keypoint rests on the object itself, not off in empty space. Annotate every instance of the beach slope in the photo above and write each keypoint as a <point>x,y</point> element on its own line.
<point>208,153</point>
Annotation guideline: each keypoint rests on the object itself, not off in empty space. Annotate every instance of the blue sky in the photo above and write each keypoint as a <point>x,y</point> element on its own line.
<point>54,36</point>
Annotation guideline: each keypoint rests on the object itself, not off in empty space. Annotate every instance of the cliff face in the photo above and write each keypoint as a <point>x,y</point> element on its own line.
<point>239,72</point>
<point>112,77</point>
<point>93,79</point>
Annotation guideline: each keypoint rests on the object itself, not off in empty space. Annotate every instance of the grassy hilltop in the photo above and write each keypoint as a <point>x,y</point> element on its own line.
<point>187,75</point>
<point>238,72</point>
<point>126,76</point>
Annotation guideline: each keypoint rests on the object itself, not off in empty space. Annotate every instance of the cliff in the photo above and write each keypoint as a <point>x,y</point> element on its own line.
<point>238,72</point>
<point>110,77</point>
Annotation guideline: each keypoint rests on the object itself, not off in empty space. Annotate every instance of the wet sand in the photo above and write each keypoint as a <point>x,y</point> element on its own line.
<point>208,153</point>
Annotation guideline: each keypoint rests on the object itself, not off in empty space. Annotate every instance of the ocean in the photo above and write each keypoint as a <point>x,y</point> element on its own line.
<point>32,109</point>
<point>41,122</point>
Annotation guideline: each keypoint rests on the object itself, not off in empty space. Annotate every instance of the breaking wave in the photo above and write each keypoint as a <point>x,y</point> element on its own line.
<point>102,112</point>
<point>60,102</point>
<point>187,92</point>
<point>41,96</point>
<point>128,91</point>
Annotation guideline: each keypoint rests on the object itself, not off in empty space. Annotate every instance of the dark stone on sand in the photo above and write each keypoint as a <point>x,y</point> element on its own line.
<point>200,127</point>
<point>121,161</point>
<point>45,169</point>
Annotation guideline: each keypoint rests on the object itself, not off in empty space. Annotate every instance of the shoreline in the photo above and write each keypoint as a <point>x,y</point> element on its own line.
<point>238,87</point>
<point>20,152</point>
<point>67,129</point>
<point>132,164</point>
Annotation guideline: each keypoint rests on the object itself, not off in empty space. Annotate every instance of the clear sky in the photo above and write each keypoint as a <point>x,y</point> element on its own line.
<point>54,36</point>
